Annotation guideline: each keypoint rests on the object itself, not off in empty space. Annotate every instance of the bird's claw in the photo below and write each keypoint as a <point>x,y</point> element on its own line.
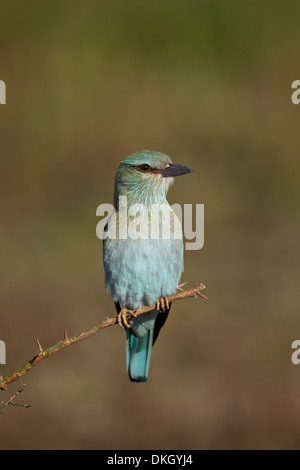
<point>162,304</point>
<point>122,317</point>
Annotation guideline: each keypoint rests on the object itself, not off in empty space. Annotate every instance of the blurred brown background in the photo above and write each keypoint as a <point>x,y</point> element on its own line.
<point>209,83</point>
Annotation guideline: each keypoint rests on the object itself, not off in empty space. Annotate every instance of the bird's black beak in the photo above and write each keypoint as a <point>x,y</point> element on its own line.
<point>175,170</point>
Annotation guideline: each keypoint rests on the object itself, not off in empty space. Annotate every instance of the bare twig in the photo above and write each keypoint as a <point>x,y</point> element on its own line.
<point>68,341</point>
<point>3,404</point>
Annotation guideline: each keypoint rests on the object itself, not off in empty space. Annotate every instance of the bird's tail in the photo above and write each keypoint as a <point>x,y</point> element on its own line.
<point>138,354</point>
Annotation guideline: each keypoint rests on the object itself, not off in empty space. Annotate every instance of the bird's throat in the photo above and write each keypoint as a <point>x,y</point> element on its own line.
<point>146,194</point>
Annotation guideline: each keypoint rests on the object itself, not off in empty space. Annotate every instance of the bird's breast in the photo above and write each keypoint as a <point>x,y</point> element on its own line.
<point>140,269</point>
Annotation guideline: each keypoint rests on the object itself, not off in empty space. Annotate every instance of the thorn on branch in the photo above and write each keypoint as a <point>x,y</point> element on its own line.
<point>39,346</point>
<point>181,285</point>
<point>65,340</point>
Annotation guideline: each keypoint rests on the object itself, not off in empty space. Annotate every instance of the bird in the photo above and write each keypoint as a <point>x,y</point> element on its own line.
<point>146,268</point>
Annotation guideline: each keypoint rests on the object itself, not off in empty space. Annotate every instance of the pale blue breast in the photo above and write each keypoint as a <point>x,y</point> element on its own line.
<point>138,272</point>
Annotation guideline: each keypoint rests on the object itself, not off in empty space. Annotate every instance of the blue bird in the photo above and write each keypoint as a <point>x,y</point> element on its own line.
<point>143,252</point>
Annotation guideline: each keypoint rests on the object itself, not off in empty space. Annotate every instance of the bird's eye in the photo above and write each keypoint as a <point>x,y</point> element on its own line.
<point>144,167</point>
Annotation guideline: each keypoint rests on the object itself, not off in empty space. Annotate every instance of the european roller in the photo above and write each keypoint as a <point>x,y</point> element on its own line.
<point>143,252</point>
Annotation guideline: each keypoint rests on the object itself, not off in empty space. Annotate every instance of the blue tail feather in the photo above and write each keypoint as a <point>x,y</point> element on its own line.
<point>138,354</point>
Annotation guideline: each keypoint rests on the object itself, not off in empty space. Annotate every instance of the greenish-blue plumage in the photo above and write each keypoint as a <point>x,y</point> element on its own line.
<point>141,270</point>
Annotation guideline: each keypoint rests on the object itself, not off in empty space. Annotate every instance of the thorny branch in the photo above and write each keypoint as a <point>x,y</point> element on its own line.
<point>11,401</point>
<point>66,341</point>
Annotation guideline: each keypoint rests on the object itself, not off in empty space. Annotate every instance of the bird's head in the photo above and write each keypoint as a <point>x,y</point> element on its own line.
<point>145,177</point>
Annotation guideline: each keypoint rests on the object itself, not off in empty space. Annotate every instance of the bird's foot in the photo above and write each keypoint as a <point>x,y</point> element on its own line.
<point>162,304</point>
<point>122,317</point>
